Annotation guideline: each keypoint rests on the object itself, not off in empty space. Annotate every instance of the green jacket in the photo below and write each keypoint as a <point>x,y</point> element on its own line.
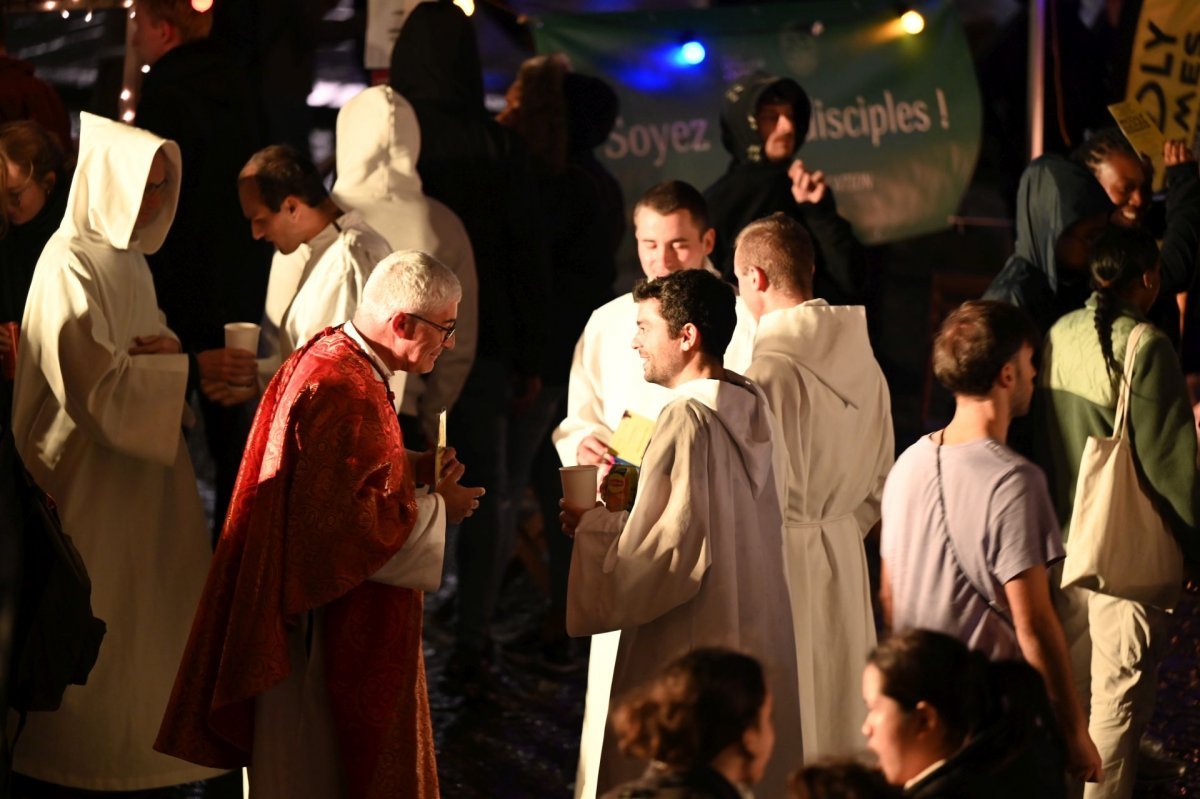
<point>1077,398</point>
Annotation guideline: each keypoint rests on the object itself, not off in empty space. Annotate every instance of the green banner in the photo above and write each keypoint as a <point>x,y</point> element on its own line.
<point>896,117</point>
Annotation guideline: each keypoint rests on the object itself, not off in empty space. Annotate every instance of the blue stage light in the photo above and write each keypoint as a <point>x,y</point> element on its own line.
<point>691,53</point>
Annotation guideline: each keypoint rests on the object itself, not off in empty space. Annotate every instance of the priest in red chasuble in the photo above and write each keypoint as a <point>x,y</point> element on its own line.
<point>304,660</point>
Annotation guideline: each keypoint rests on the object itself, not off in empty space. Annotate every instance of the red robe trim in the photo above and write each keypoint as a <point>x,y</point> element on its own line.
<point>323,500</point>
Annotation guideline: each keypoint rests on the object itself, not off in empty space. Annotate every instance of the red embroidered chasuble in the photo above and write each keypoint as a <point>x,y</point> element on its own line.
<point>323,500</point>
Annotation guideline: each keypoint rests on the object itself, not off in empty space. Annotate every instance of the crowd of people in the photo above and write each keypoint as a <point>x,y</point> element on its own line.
<point>437,335</point>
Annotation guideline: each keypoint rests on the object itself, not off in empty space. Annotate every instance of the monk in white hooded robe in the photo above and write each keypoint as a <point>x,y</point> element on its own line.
<point>98,409</point>
<point>815,365</point>
<point>696,561</point>
<point>378,143</point>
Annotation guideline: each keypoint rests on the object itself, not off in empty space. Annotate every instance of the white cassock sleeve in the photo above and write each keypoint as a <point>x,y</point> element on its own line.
<point>133,404</point>
<point>585,409</point>
<point>629,568</point>
<point>418,564</point>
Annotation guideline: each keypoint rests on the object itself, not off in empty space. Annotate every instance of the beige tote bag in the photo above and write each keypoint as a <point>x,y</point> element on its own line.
<point>1118,542</point>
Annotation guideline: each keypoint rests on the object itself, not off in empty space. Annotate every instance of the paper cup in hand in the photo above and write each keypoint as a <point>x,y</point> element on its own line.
<point>242,336</point>
<point>579,486</point>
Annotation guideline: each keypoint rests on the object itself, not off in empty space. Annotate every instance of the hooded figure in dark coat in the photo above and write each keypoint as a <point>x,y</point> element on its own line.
<point>1061,209</point>
<point>763,138</point>
<point>482,171</point>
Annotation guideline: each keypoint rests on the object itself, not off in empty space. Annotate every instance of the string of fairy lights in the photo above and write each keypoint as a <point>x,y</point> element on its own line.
<point>690,52</point>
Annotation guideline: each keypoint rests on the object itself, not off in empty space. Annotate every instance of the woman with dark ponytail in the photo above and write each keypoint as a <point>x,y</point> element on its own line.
<point>947,723</point>
<point>1116,643</point>
<point>705,726</point>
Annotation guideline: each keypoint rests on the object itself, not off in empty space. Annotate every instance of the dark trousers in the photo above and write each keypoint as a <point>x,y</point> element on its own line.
<point>528,434</point>
<point>478,429</point>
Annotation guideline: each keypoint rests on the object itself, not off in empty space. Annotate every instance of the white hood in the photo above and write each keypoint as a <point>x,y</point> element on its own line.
<point>378,143</point>
<point>742,409</point>
<point>110,179</point>
<point>834,338</point>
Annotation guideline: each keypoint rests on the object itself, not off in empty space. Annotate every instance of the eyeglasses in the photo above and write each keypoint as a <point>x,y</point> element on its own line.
<point>447,332</point>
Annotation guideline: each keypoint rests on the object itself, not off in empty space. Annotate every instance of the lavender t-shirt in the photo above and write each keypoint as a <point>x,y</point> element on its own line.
<point>1002,521</point>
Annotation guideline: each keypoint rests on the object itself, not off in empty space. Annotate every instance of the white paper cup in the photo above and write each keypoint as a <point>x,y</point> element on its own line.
<point>579,486</point>
<point>242,336</point>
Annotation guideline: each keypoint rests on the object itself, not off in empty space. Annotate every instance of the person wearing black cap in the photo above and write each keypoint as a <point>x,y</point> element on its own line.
<point>763,124</point>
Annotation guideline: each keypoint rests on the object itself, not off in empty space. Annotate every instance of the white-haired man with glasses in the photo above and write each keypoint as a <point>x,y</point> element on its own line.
<point>305,658</point>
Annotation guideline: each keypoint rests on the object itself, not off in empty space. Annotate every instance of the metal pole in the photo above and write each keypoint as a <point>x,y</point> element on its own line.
<point>1037,77</point>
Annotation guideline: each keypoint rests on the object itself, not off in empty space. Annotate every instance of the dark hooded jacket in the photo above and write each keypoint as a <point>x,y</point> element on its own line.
<point>210,269</point>
<point>585,215</point>
<point>1054,194</point>
<point>1179,231</point>
<point>753,187</point>
<point>481,171</point>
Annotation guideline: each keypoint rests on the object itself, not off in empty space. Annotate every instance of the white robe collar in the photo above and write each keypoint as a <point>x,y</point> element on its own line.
<point>383,373</point>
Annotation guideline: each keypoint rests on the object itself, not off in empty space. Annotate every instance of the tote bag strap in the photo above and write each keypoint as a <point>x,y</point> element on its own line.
<point>954,547</point>
<point>1121,417</point>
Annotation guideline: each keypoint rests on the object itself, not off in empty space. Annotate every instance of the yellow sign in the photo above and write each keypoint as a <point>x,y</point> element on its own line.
<point>1164,69</point>
<point>1141,131</point>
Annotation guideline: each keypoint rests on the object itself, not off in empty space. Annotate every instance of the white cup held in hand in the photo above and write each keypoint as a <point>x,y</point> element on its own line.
<point>242,336</point>
<point>579,486</point>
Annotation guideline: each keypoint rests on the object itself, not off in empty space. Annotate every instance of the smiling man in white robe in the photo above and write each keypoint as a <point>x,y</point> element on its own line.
<point>696,561</point>
<point>816,366</point>
<point>673,234</point>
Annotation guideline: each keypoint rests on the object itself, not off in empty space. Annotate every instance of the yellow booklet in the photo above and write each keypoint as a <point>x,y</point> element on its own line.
<point>631,438</point>
<point>1139,128</point>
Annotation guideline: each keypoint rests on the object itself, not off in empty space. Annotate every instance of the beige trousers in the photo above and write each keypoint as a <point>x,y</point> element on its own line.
<point>1115,646</point>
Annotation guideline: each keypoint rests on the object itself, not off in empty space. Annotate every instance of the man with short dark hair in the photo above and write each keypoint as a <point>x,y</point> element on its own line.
<point>673,234</point>
<point>968,526</point>
<point>209,271</point>
<point>696,561</point>
<point>815,365</point>
<point>763,125</point>
<point>324,255</point>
